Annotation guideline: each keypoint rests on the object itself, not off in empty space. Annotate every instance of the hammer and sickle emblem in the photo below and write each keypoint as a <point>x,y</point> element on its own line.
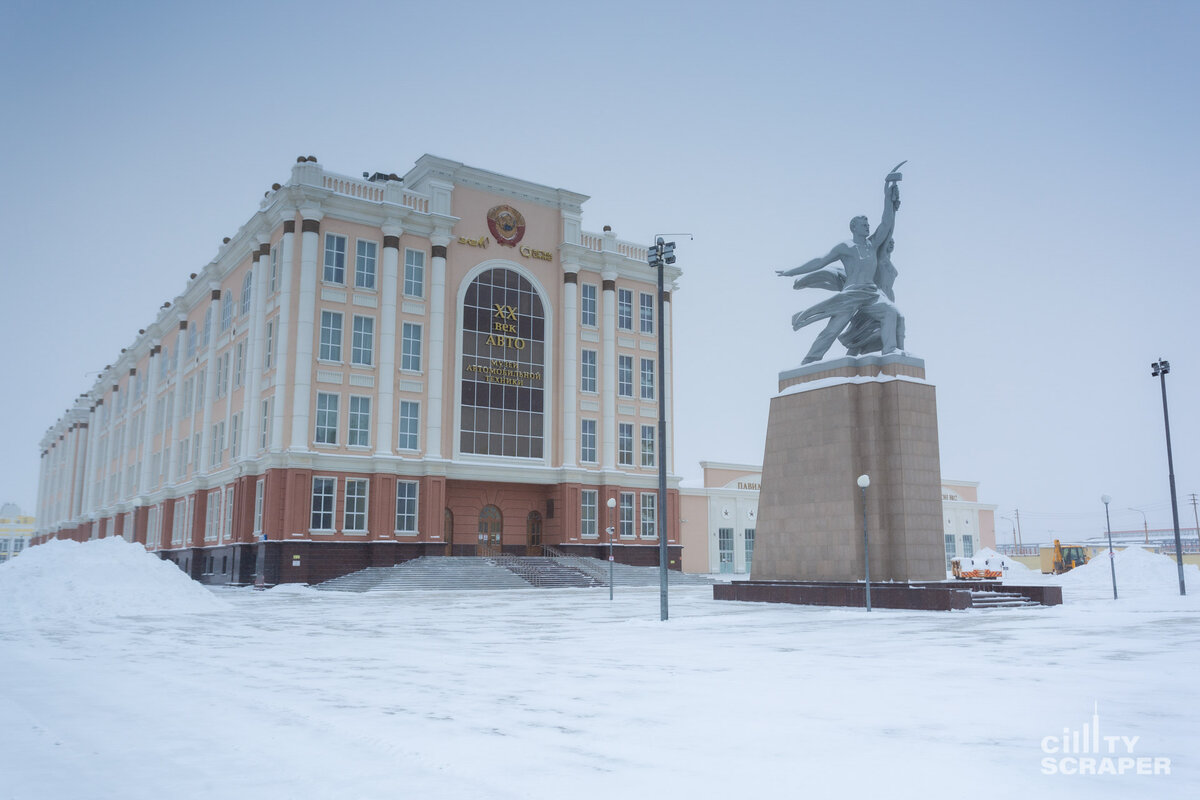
<point>505,312</point>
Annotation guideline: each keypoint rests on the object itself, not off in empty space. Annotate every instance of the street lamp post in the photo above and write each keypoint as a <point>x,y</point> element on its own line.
<point>612,503</point>
<point>1014,529</point>
<point>1159,369</point>
<point>863,482</point>
<point>659,255</point>
<point>1112,557</point>
<point>1145,523</point>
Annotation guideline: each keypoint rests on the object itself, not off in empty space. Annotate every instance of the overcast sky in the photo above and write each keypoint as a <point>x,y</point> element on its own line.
<point>1046,241</point>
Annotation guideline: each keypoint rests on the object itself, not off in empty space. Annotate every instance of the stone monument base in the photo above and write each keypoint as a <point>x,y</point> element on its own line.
<point>932,596</point>
<point>833,421</point>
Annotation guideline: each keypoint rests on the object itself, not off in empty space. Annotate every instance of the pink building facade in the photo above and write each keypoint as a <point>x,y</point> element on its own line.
<point>374,369</point>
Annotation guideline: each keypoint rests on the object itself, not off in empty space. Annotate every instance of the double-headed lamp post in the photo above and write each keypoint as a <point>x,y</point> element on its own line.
<point>612,503</point>
<point>659,256</point>
<point>863,482</point>
<point>1159,369</point>
<point>1112,557</point>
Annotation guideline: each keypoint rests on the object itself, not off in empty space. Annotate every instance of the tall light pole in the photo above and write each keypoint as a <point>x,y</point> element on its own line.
<point>659,256</point>
<point>1014,529</point>
<point>1112,557</point>
<point>1159,369</point>
<point>612,503</point>
<point>863,482</point>
<point>1145,524</point>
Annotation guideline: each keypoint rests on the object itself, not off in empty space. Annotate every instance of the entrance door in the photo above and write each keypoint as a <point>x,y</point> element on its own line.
<point>533,534</point>
<point>725,548</point>
<point>749,549</point>
<point>490,525</point>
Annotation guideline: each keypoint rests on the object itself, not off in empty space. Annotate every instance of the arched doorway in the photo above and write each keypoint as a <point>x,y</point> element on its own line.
<point>490,525</point>
<point>533,534</point>
<point>448,531</point>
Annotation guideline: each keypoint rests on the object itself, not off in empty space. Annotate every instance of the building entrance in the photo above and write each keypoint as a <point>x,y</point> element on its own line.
<point>490,525</point>
<point>533,534</point>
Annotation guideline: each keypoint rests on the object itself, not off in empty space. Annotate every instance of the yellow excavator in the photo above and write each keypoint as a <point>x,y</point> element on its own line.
<point>1067,558</point>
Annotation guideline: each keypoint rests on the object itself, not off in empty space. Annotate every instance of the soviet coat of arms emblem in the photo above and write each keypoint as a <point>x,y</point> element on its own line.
<point>506,224</point>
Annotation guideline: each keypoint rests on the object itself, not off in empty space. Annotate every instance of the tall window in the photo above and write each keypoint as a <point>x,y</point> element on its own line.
<point>258,504</point>
<point>264,435</point>
<point>247,283</point>
<point>274,283</point>
<point>362,342</point>
<point>950,552</point>
<point>235,426</point>
<point>191,340</point>
<point>587,441</point>
<point>626,505</point>
<point>324,494</point>
<point>625,376</point>
<point>414,273</point>
<point>239,363</point>
<point>364,264</point>
<point>269,353</point>
<point>331,336</point>
<point>647,378</point>
<point>327,418</point>
<point>968,546</point>
<point>406,506</point>
<point>587,513</point>
<point>625,309</point>
<point>226,310</point>
<point>648,446</point>
<point>409,425</point>
<point>335,258</point>
<point>625,444</point>
<point>359,432</point>
<point>649,515</point>
<point>587,304</point>
<point>354,518</point>
<point>587,369</point>
<point>646,307</point>
<point>410,348</point>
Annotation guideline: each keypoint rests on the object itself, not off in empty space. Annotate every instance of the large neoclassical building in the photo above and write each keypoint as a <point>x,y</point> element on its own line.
<point>378,368</point>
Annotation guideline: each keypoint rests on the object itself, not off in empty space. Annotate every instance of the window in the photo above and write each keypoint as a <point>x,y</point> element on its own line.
<point>587,367</point>
<point>331,336</point>
<point>362,342</point>
<point>324,493</point>
<point>625,376</point>
<point>223,375</point>
<point>269,355</point>
<point>950,551</point>
<point>335,259</point>
<point>206,333</point>
<point>196,442</point>
<point>354,518</point>
<point>625,444</point>
<point>587,441</point>
<point>327,418</point>
<point>626,505</point>
<point>201,378</point>
<point>648,446</point>
<point>227,520</point>
<point>191,341</point>
<point>649,516</point>
<point>274,283</point>
<point>410,348</point>
<point>587,304</point>
<point>264,435</point>
<point>406,506</point>
<point>235,424</point>
<point>183,456</point>
<point>749,542</point>
<point>410,416</point>
<point>212,515</point>
<point>164,363</point>
<point>226,310</point>
<point>258,505</point>
<point>647,379</point>
<point>646,306</point>
<point>625,309</point>
<point>247,284</point>
<point>414,273</point>
<point>587,513</point>
<point>218,443</point>
<point>968,546</point>
<point>364,264</point>
<point>359,434</point>
<point>239,363</point>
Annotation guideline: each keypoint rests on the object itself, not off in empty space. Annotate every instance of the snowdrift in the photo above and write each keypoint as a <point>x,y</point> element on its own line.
<point>102,578</point>
<point>1138,570</point>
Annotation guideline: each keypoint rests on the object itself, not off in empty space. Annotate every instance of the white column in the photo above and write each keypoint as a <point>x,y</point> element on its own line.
<point>385,442</point>
<point>85,497</point>
<point>210,378</point>
<point>173,475</point>
<point>252,384</point>
<point>151,409</point>
<point>306,314</point>
<point>40,508</point>
<point>608,377</point>
<point>282,328</point>
<point>70,472</point>
<point>570,329</point>
<point>436,336</point>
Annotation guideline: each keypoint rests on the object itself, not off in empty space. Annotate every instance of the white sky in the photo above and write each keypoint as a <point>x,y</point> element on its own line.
<point>1052,165</point>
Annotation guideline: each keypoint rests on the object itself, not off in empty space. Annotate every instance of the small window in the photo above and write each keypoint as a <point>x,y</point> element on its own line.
<point>327,418</point>
<point>587,305</point>
<point>646,305</point>
<point>364,264</point>
<point>359,431</point>
<point>354,517</point>
<point>587,441</point>
<point>331,336</point>
<point>625,376</point>
<point>335,259</point>
<point>587,371</point>
<point>324,494</point>
<point>362,343</point>
<point>587,513</point>
<point>414,273</point>
<point>625,444</point>
<point>409,425</point>
<point>410,351</point>
<point>625,309</point>
<point>406,506</point>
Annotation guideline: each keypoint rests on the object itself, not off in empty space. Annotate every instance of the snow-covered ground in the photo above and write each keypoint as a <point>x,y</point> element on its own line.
<point>132,682</point>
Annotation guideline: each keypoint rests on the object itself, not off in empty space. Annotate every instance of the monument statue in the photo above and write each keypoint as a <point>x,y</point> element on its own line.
<point>863,314</point>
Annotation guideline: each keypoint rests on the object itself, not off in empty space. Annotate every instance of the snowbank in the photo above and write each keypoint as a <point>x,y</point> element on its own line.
<point>1138,570</point>
<point>96,579</point>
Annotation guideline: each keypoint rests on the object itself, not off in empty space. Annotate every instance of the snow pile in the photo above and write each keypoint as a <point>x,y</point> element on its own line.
<point>1138,570</point>
<point>101,578</point>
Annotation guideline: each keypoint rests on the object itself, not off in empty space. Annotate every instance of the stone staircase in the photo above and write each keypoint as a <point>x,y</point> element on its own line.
<point>501,572</point>
<point>995,599</point>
